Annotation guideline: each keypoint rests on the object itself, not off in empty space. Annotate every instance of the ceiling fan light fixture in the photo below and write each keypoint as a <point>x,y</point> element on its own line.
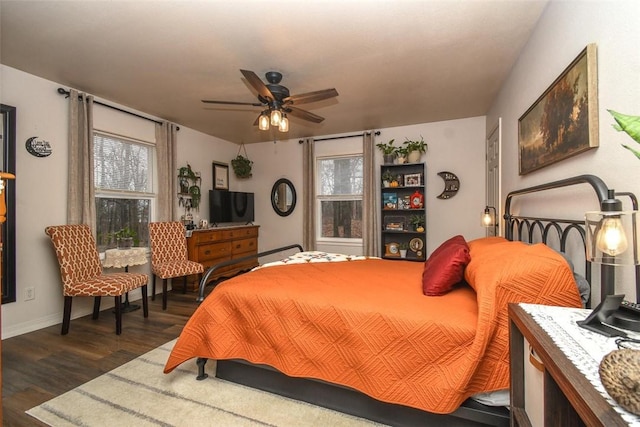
<point>263,122</point>
<point>284,124</point>
<point>276,116</point>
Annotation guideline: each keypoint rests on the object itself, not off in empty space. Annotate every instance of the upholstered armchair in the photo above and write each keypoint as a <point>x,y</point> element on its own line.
<point>82,274</point>
<point>169,256</point>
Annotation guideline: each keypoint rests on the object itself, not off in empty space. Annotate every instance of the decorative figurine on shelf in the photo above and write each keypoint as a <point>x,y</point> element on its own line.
<point>417,200</point>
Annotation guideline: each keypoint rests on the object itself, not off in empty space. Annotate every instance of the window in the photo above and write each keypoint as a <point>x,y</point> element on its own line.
<point>124,188</point>
<point>340,197</point>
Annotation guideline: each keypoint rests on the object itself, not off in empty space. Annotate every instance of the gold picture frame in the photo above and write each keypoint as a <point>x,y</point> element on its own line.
<point>563,121</point>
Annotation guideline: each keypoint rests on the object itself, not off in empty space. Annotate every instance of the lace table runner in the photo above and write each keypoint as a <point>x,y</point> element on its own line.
<point>583,348</point>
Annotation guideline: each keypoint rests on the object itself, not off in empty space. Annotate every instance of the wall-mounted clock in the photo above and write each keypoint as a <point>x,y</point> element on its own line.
<point>392,250</point>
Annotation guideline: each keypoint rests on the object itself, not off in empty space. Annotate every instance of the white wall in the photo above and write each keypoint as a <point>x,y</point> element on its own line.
<point>41,185</point>
<point>41,188</point>
<point>564,29</point>
<point>456,146</point>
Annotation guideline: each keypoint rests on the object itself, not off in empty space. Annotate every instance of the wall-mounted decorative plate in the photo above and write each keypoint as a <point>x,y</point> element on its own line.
<point>38,147</point>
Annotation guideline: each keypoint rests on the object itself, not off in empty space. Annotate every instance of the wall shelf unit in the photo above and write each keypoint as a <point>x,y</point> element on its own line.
<point>404,213</point>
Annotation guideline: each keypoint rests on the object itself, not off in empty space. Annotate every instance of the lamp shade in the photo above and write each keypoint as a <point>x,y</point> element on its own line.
<point>612,237</point>
<point>276,116</point>
<point>263,122</point>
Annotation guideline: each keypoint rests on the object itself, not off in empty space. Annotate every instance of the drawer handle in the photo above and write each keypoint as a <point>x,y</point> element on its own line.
<point>207,252</point>
<point>533,359</point>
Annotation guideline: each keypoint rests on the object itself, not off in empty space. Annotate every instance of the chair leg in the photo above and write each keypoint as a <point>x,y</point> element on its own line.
<point>118,309</point>
<point>145,303</point>
<point>153,288</point>
<point>164,294</point>
<point>184,285</point>
<point>96,307</point>
<point>66,317</point>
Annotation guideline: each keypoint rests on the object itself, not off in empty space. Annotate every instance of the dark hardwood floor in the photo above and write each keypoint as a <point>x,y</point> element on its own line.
<point>43,364</point>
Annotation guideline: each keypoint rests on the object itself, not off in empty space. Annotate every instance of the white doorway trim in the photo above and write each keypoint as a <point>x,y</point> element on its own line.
<point>493,190</point>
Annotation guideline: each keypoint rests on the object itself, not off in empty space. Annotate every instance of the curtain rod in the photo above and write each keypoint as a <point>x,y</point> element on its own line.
<point>61,91</point>
<point>377,133</point>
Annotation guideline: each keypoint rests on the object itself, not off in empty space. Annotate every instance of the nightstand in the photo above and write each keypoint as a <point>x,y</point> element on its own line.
<point>571,393</point>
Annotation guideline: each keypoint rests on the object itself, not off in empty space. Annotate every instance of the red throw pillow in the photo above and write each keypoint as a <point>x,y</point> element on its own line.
<point>445,266</point>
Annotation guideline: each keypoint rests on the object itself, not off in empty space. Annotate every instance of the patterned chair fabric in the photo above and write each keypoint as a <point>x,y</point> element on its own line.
<point>82,274</point>
<point>169,255</point>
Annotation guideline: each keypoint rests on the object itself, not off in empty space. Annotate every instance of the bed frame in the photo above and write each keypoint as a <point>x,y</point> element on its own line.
<point>349,401</point>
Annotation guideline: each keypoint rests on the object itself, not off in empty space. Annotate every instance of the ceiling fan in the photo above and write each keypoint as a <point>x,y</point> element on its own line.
<point>278,101</point>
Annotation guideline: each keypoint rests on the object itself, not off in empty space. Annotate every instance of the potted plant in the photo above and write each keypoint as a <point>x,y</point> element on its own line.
<point>388,151</point>
<point>185,175</point>
<point>401,155</point>
<point>387,178</point>
<point>125,238</point>
<point>417,221</point>
<point>242,166</point>
<point>415,149</point>
<point>403,249</point>
<point>194,192</point>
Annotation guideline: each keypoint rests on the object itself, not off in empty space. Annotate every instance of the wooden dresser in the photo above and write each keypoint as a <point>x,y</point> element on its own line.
<point>214,245</point>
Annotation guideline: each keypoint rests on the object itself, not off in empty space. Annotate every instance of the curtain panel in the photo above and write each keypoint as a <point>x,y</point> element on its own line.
<point>370,227</point>
<point>81,207</point>
<point>166,153</point>
<point>308,196</point>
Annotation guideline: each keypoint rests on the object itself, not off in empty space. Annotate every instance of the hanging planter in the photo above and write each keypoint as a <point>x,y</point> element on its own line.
<point>241,164</point>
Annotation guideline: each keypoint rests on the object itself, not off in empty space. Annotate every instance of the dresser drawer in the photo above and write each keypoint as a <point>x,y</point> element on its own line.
<point>204,237</point>
<point>240,233</point>
<point>214,251</point>
<point>244,247</point>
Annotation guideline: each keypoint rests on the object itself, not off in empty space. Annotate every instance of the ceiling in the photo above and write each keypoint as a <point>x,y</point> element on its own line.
<point>393,62</point>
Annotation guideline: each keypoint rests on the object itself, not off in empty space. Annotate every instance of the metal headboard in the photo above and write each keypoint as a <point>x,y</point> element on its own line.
<point>523,228</point>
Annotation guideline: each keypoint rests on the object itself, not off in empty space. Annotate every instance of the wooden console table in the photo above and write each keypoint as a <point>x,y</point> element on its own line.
<point>214,245</point>
<point>569,397</point>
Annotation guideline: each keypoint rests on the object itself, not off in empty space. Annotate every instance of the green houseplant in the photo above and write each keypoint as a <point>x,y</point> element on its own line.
<point>125,237</point>
<point>242,166</point>
<point>417,221</point>
<point>415,148</point>
<point>388,151</point>
<point>387,178</point>
<point>630,125</point>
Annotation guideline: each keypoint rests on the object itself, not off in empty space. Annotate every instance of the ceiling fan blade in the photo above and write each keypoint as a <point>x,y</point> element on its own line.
<point>209,101</point>
<point>303,114</point>
<point>316,96</point>
<point>257,84</point>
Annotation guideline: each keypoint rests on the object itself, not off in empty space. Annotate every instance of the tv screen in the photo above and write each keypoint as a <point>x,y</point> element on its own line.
<point>230,206</point>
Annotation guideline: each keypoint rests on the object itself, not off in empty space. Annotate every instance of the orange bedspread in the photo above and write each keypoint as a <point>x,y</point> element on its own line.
<point>367,325</point>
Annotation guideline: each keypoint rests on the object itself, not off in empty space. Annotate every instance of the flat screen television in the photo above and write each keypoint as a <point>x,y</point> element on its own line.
<point>230,206</point>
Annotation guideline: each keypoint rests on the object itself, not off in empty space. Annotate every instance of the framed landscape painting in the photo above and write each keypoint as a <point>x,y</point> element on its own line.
<point>563,122</point>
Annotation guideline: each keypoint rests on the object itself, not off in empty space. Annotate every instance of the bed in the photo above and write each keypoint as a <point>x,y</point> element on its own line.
<point>398,342</point>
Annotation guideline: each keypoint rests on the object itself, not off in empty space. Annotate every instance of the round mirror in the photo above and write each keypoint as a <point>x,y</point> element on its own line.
<point>283,197</point>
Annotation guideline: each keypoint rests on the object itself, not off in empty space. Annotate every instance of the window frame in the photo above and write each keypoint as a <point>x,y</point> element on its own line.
<point>319,198</point>
<point>151,194</point>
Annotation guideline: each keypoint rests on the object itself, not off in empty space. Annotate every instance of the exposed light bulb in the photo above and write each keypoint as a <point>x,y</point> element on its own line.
<point>487,221</point>
<point>611,238</point>
<point>276,116</point>
<point>263,122</point>
<point>284,124</point>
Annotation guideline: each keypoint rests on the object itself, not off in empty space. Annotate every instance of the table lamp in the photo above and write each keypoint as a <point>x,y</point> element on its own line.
<point>611,240</point>
<point>489,219</point>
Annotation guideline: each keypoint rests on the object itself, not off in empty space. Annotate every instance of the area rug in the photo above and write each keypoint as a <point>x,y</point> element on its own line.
<point>139,394</point>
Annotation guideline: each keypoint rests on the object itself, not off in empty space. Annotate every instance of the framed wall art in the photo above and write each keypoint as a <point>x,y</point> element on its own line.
<point>220,176</point>
<point>563,122</point>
